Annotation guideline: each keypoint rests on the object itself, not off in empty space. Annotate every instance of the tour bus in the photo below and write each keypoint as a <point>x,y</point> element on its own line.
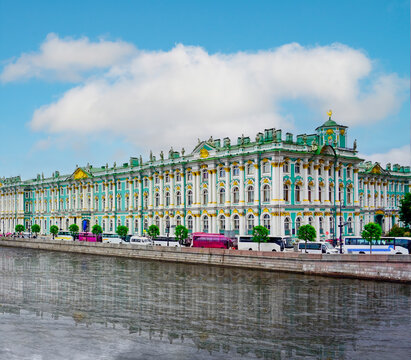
<point>111,238</point>
<point>206,240</point>
<point>274,243</point>
<point>404,242</point>
<point>316,247</point>
<point>64,235</point>
<point>166,241</point>
<point>86,236</point>
<point>357,245</point>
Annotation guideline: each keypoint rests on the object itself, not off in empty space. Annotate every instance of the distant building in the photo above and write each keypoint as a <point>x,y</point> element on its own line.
<point>275,181</point>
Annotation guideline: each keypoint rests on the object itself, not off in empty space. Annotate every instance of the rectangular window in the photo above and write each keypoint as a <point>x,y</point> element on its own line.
<point>178,177</point>
<point>221,172</point>
<point>236,170</point>
<point>266,167</point>
<point>189,176</point>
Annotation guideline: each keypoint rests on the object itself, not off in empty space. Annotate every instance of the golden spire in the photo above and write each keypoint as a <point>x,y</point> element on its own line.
<point>329,113</point>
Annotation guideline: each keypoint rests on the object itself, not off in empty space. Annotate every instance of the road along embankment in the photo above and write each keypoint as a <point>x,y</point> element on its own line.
<point>374,267</point>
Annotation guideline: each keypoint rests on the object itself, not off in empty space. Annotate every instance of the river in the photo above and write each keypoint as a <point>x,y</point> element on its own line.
<point>57,305</point>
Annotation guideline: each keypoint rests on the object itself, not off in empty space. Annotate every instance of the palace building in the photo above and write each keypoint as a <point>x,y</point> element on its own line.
<point>280,182</point>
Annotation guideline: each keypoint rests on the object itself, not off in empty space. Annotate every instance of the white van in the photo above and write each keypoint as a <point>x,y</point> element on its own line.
<point>64,235</point>
<point>140,240</point>
<point>166,241</point>
<point>316,247</point>
<point>111,239</point>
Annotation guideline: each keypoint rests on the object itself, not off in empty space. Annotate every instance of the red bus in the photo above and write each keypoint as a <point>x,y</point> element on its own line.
<point>84,236</point>
<point>205,240</point>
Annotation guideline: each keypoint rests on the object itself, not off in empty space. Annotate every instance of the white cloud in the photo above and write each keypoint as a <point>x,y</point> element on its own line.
<point>168,98</point>
<point>66,59</point>
<point>401,155</point>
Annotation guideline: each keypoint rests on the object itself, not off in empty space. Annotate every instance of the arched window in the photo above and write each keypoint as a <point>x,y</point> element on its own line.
<point>135,201</point>
<point>190,223</point>
<point>178,220</point>
<point>236,222</point>
<point>349,223</point>
<point>136,225</point>
<point>287,226</point>
<point>127,224</point>
<point>205,197</point>
<point>221,196</point>
<point>178,198</point>
<point>103,204</point>
<point>309,194</point>
<point>266,193</point>
<point>266,221</point>
<point>157,200</point>
<point>297,224</point>
<point>96,204</point>
<point>286,193</point>
<point>321,222</point>
<point>205,175</point>
<point>250,223</point>
<point>331,225</point>
<point>297,168</point>
<point>167,198</point>
<point>285,167</point>
<point>266,167</point>
<point>145,224</point>
<point>250,194</point>
<point>236,195</point>
<point>118,223</point>
<point>167,225</point>
<point>88,203</point>
<point>119,203</point>
<point>320,194</point>
<point>330,193</point>
<point>250,169</point>
<point>205,224</point>
<point>310,221</point>
<point>145,201</point>
<point>340,193</point>
<point>297,193</point>
<point>157,221</point>
<point>348,196</point>
<point>236,170</point>
<point>189,198</point>
<point>221,223</point>
<point>103,225</point>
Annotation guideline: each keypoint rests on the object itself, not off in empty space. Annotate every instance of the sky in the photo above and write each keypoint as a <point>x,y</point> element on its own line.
<point>101,81</point>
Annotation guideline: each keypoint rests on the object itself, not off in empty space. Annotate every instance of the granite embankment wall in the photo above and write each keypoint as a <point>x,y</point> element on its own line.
<point>375,267</point>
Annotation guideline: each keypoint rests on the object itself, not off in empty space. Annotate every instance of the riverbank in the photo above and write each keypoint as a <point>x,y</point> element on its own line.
<point>373,267</point>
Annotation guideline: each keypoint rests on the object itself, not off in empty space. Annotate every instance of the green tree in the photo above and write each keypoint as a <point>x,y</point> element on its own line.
<point>35,229</point>
<point>74,229</point>
<point>307,233</point>
<point>181,233</point>
<point>405,210</point>
<point>19,228</point>
<point>153,231</point>
<point>96,229</point>
<point>372,231</point>
<point>260,234</point>
<point>54,229</point>
<point>396,231</point>
<point>122,231</point>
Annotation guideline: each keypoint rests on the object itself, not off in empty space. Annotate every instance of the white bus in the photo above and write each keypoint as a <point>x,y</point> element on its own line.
<point>64,235</point>
<point>111,239</point>
<point>274,243</point>
<point>403,242</point>
<point>166,241</point>
<point>357,245</point>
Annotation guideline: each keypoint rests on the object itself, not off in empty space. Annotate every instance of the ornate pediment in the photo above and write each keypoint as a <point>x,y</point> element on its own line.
<point>204,149</point>
<point>377,169</point>
<point>80,174</point>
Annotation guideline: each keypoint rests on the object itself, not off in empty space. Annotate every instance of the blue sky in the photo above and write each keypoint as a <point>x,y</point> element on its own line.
<point>100,81</point>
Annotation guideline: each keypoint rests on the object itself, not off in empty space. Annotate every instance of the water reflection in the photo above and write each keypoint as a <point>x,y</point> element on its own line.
<point>188,311</point>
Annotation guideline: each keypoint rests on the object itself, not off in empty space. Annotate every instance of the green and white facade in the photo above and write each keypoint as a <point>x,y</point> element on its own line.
<point>281,182</point>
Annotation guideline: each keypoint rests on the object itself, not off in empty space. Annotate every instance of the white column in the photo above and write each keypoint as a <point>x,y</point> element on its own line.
<point>356,188</point>
<point>257,185</point>
<point>162,197</point>
<point>242,188</point>
<point>316,195</point>
<point>227,185</point>
<point>172,192</point>
<point>385,194</point>
<point>305,180</point>
<point>150,192</point>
